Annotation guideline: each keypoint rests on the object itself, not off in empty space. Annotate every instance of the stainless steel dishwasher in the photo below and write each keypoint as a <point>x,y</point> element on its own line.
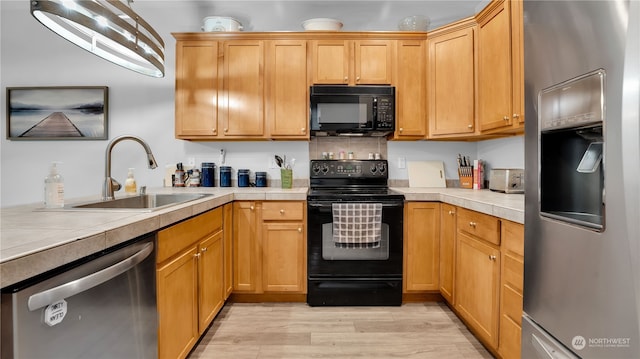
<point>100,307</point>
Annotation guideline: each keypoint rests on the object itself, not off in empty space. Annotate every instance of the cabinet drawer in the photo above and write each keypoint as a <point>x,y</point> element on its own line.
<point>512,271</point>
<point>511,304</point>
<point>175,238</point>
<point>513,237</point>
<point>479,225</point>
<point>282,211</point>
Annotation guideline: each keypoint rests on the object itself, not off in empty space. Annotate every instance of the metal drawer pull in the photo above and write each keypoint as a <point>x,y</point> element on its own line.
<point>473,224</point>
<point>492,257</point>
<point>282,211</point>
<point>299,229</point>
<point>203,249</point>
<point>452,213</point>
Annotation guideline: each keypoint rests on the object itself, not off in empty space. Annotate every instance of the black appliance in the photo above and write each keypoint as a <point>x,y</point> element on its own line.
<point>353,274</point>
<point>352,110</point>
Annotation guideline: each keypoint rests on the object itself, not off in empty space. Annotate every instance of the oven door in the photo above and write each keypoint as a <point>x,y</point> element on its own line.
<point>326,259</point>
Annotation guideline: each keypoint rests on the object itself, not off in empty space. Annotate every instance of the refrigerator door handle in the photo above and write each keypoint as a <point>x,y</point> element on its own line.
<point>80,285</point>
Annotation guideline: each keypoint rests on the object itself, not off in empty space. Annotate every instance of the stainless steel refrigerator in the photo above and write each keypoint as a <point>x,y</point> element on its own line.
<point>582,198</point>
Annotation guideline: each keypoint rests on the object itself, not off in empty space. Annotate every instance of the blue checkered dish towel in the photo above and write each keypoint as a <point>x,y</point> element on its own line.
<point>357,225</point>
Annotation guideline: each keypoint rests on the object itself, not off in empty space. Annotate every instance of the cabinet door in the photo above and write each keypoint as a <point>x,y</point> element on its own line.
<point>246,249</point>
<point>517,62</point>
<point>287,101</point>
<point>330,61</point>
<point>411,89</point>
<point>447,251</point>
<point>178,305</point>
<point>211,279</point>
<point>242,105</point>
<point>284,254</point>
<point>421,246</point>
<point>451,83</point>
<point>477,286</point>
<point>373,62</point>
<point>228,249</point>
<point>494,69</point>
<point>196,89</point>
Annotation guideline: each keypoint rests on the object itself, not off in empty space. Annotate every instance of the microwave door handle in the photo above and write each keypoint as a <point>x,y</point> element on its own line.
<point>80,285</point>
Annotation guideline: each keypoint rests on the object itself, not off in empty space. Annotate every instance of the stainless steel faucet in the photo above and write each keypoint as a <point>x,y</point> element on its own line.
<point>110,184</point>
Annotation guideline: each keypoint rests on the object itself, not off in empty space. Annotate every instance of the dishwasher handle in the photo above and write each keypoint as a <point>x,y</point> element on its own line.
<point>80,285</point>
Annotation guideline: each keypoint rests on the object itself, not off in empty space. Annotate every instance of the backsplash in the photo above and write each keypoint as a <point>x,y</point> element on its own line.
<point>360,146</point>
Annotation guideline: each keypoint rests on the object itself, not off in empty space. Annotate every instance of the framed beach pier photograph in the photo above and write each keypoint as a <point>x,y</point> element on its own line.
<point>57,113</point>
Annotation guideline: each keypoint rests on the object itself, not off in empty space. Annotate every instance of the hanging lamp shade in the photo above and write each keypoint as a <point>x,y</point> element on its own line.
<point>107,28</point>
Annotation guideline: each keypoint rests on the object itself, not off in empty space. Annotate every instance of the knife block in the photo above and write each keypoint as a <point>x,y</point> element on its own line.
<point>466,177</point>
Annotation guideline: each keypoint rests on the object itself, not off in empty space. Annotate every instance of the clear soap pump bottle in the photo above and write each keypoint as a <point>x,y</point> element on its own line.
<point>130,186</point>
<point>54,188</point>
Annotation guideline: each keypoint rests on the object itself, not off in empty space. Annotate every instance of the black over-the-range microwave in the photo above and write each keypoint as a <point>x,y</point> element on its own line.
<point>352,110</point>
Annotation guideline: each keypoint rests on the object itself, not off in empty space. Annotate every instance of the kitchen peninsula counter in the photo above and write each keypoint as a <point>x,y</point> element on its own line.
<point>33,240</point>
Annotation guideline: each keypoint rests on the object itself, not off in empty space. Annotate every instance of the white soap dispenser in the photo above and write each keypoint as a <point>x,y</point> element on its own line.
<point>54,188</point>
<point>130,186</point>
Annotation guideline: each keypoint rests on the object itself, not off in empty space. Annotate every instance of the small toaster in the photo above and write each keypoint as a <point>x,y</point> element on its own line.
<point>507,180</point>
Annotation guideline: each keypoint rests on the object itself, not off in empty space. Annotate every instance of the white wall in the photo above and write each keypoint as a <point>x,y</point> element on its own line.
<point>31,55</point>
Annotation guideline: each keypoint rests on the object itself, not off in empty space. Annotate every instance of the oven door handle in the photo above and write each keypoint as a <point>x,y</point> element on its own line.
<point>328,204</point>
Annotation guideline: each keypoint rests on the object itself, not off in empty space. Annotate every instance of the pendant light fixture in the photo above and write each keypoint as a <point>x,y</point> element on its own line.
<point>107,28</point>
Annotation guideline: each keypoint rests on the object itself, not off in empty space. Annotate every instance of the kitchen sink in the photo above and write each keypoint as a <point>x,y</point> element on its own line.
<point>139,203</point>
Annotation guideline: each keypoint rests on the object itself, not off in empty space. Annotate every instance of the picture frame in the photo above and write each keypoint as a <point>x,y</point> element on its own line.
<point>57,113</point>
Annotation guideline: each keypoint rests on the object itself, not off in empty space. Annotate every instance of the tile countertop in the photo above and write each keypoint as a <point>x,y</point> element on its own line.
<point>33,241</point>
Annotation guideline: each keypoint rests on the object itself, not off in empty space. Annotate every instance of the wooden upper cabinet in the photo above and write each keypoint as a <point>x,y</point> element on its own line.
<point>287,92</point>
<point>351,62</point>
<point>330,61</point>
<point>499,72</point>
<point>373,62</point>
<point>196,89</point>
<point>411,89</point>
<point>242,101</point>
<point>451,82</point>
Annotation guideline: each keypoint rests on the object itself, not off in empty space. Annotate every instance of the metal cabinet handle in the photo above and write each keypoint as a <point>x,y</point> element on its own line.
<point>470,126</point>
<point>346,79</point>
<point>251,208</point>
<point>303,130</point>
<point>506,118</point>
<point>473,224</point>
<point>226,130</point>
<point>80,285</point>
<point>401,129</point>
<point>203,249</point>
<point>358,79</point>
<point>299,230</point>
<point>282,211</point>
<point>515,115</point>
<point>452,213</point>
<point>492,258</point>
<point>197,255</point>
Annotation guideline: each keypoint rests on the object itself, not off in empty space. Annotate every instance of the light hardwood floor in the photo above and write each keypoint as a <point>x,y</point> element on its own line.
<point>295,330</point>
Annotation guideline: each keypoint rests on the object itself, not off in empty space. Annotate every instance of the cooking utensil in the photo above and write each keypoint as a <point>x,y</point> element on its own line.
<point>279,161</point>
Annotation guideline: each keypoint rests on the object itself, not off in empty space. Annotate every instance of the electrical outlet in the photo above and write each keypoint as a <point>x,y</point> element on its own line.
<point>402,162</point>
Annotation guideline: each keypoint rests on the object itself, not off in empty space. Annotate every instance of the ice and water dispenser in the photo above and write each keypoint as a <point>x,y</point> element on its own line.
<point>571,157</point>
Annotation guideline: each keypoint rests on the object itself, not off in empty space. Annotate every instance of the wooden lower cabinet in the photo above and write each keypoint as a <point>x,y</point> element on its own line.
<point>477,286</point>
<point>270,247</point>
<point>511,286</point>
<point>421,246</point>
<point>227,214</point>
<point>447,251</point>
<point>284,253</point>
<point>190,281</point>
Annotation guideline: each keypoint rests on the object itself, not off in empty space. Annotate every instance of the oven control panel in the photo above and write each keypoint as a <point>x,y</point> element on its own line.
<point>349,168</point>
